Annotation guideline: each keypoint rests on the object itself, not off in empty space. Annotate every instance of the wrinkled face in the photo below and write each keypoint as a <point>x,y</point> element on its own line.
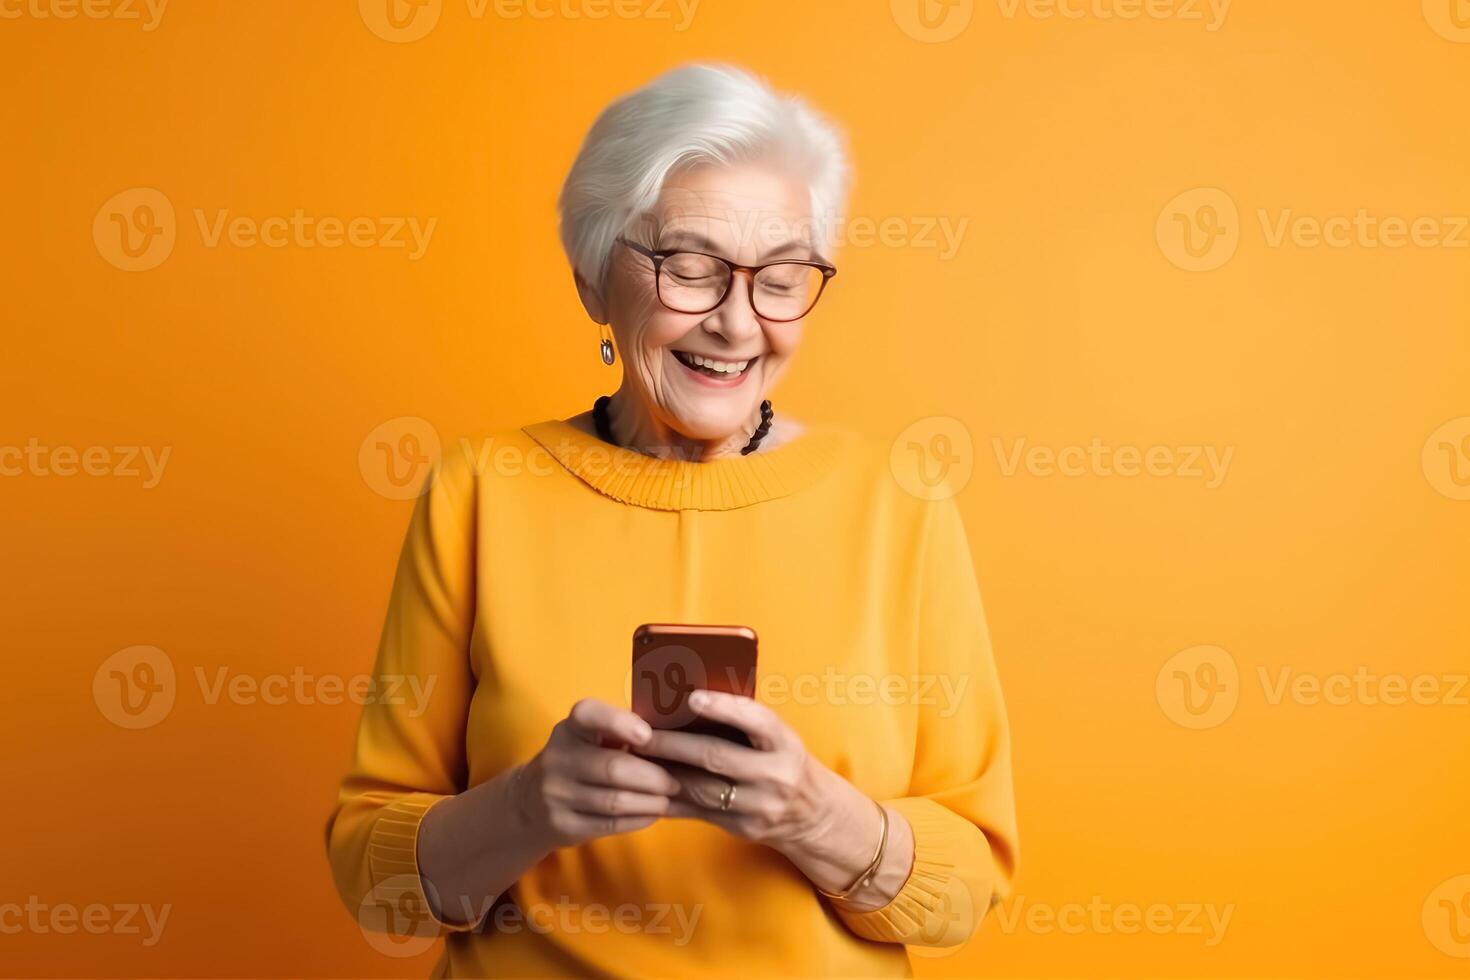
<point>704,374</point>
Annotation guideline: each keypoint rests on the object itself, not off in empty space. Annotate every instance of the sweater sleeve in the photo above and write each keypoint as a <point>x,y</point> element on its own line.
<point>409,752</point>
<point>961,805</point>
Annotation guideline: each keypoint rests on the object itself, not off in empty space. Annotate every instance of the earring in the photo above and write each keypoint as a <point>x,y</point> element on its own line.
<point>606,347</point>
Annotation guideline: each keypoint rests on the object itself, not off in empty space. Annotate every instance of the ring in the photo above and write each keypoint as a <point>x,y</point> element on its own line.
<point>727,796</point>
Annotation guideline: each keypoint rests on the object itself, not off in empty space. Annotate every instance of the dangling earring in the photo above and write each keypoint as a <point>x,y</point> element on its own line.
<point>606,347</point>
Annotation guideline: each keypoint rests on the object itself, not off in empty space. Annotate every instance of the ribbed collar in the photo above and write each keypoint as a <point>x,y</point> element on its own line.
<point>672,484</point>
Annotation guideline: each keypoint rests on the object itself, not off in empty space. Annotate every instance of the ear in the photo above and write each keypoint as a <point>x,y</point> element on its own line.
<point>592,300</point>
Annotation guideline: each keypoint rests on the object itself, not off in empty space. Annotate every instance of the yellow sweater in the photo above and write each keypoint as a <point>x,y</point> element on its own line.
<point>528,563</point>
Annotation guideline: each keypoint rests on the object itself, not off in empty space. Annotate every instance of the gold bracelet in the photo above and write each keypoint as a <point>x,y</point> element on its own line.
<point>872,868</point>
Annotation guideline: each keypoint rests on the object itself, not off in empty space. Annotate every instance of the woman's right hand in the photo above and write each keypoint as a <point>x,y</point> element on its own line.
<point>582,784</point>
<point>585,784</point>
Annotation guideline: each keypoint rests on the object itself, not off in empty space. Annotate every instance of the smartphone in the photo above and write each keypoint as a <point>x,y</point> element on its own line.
<point>672,659</point>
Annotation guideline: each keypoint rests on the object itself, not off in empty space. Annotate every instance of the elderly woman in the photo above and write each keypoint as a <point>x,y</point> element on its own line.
<point>524,812</point>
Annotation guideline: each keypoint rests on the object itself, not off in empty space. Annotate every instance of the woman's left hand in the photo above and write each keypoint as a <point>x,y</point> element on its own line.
<point>778,795</point>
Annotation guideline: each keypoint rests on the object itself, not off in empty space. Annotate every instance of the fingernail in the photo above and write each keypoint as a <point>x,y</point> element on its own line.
<point>642,732</point>
<point>697,699</point>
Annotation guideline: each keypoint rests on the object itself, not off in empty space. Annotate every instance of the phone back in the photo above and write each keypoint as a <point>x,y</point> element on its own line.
<point>671,659</point>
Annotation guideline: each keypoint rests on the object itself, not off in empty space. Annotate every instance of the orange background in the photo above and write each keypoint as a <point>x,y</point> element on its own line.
<point>1063,316</point>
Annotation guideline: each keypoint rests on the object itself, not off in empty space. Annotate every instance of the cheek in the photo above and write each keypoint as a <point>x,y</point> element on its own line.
<point>640,324</point>
<point>658,330</point>
<point>784,339</point>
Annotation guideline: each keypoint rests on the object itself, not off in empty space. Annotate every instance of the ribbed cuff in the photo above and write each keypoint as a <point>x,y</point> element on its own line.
<point>935,906</point>
<point>394,866</point>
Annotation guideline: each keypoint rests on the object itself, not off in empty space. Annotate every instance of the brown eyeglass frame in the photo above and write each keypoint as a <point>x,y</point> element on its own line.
<point>657,257</point>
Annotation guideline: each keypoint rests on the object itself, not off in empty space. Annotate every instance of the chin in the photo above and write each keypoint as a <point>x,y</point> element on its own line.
<point>717,423</point>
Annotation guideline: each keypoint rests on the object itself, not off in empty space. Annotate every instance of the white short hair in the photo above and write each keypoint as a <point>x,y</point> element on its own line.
<point>702,113</point>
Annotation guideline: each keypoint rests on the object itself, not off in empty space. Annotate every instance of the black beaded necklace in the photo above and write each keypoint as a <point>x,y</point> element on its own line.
<point>604,425</point>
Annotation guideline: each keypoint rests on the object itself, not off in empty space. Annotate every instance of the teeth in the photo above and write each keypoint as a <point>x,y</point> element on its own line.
<point>724,367</point>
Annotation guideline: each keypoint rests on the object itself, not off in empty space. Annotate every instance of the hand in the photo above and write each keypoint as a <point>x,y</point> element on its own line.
<point>585,784</point>
<point>782,797</point>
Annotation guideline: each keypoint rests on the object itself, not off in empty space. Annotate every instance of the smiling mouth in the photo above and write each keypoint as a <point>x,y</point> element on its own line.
<point>713,367</point>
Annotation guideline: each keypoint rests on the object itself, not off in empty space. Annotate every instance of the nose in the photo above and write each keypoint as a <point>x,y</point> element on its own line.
<point>735,318</point>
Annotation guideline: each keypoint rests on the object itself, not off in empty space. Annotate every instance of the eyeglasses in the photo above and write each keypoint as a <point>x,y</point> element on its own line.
<point>697,282</point>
